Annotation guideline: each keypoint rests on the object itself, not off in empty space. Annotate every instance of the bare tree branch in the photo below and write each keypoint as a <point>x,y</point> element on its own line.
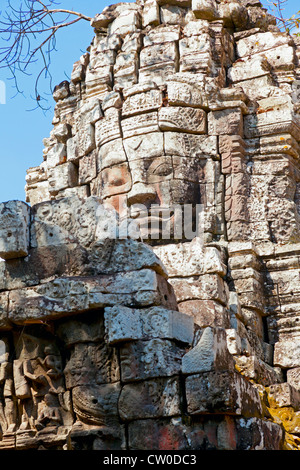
<point>288,24</point>
<point>28,31</point>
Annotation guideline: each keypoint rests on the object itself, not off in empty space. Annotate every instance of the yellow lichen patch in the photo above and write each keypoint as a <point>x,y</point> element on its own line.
<point>286,416</point>
<point>291,442</point>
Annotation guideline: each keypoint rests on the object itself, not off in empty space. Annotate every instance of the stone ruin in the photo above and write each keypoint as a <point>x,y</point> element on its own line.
<point>141,342</point>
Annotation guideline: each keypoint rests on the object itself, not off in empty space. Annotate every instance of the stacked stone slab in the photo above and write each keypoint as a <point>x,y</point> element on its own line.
<point>77,326</point>
<point>191,343</point>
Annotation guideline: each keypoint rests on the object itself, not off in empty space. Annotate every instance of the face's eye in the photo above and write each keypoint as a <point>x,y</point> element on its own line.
<point>116,181</point>
<point>163,169</point>
<point>115,176</point>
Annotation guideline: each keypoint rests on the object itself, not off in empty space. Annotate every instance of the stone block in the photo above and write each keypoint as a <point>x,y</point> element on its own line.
<point>141,360</point>
<point>257,88</point>
<point>37,192</point>
<point>274,116</point>
<point>65,296</point>
<point>130,255</point>
<point>86,139</point>
<point>182,119</point>
<point>158,73</point>
<point>112,438</point>
<point>150,14</point>
<point>125,324</point>
<point>195,54</point>
<point>62,132</point>
<point>91,364</point>
<point>72,149</point>
<point>62,177</point>
<point>162,34</point>
<point>68,220</point>
<point>127,22</point>
<point>210,353</point>
<point>47,301</point>
<point>150,399</point>
<point>160,434</point>
<point>137,103</point>
<point>246,70</point>
<point>43,263</point>
<point>78,72</point>
<point>96,404</point>
<point>114,181</point>
<point>61,91</point>
<point>190,145</point>
<point>140,124</point>
<point>190,259</point>
<point>206,287</point>
<point>253,368</point>
<point>206,313</point>
<point>82,192</point>
<point>260,42</point>
<point>108,128</point>
<point>282,395</point>
<point>14,229</point>
<point>126,70</point>
<point>225,121</point>
<point>222,392</point>
<point>182,92</point>
<point>258,434</point>
<point>110,154</point>
<point>36,174</point>
<point>150,145</point>
<point>293,377</point>
<point>82,329</point>
<point>290,422</point>
<point>172,14</point>
<point>281,58</point>
<point>98,81</point>
<point>102,59</point>
<point>232,144</point>
<point>143,288</point>
<point>239,230</point>
<point>158,53</point>
<point>205,10</point>
<point>111,100</point>
<point>110,13</point>
<point>56,155</point>
<point>234,341</point>
<point>87,168</point>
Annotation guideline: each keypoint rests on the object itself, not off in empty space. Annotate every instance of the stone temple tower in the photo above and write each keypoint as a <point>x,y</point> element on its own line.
<point>150,285</point>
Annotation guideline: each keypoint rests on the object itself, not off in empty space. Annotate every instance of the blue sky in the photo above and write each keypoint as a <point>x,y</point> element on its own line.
<point>21,129</point>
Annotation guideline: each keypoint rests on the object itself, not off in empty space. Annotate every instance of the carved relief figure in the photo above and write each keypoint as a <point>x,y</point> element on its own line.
<point>8,412</point>
<point>37,372</point>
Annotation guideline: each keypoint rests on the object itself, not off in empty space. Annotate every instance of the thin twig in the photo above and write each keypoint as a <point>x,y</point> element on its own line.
<point>23,26</point>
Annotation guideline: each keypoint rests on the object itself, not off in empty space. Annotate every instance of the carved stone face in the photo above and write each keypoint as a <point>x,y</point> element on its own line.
<point>152,183</point>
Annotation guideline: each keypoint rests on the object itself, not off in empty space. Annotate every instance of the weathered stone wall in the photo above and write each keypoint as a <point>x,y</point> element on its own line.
<point>150,343</point>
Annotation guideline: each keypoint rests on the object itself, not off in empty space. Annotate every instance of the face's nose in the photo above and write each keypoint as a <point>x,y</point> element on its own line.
<point>141,193</point>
